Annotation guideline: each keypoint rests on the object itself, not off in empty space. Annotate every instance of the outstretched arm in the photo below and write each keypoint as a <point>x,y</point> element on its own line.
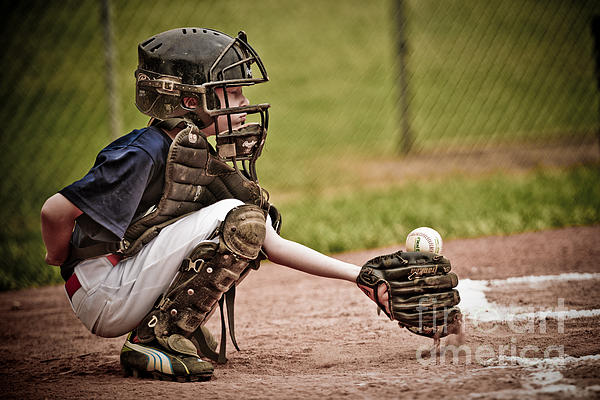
<point>58,219</point>
<point>302,258</point>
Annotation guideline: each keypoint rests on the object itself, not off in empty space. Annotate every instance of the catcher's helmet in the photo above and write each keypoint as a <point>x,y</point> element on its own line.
<point>192,62</point>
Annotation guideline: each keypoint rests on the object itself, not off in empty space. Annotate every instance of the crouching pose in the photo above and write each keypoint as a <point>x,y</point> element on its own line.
<point>164,226</point>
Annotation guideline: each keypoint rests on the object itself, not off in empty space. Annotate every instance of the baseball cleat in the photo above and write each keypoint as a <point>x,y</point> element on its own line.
<point>142,360</point>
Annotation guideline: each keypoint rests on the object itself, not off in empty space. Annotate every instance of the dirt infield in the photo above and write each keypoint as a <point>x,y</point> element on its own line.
<point>306,337</point>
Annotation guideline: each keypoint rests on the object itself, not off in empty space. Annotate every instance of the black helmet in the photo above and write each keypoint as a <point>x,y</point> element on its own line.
<point>192,62</point>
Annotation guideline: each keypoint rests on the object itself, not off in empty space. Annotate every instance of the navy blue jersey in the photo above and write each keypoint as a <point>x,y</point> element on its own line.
<point>126,180</point>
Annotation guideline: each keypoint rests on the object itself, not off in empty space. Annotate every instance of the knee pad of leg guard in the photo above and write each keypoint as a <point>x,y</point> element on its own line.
<point>243,231</point>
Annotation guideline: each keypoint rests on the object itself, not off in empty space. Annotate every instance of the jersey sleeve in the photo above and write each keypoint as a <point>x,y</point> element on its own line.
<point>111,191</point>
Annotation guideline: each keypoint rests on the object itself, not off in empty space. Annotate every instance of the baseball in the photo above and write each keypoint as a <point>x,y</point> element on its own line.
<point>424,239</point>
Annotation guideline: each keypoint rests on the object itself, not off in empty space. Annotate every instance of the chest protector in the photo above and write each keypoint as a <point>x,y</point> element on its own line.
<point>194,178</point>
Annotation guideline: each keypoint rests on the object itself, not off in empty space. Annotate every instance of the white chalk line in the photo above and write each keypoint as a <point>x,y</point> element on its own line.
<point>475,305</point>
<point>541,362</point>
<point>545,377</point>
<point>566,314</point>
<point>535,279</point>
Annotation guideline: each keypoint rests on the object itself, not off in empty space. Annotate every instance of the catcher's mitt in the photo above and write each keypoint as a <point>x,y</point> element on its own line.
<point>415,289</point>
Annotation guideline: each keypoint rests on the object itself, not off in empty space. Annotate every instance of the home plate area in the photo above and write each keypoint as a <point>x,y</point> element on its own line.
<point>538,334</point>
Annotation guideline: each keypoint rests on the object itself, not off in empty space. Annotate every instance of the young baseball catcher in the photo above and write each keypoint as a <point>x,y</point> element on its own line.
<point>164,226</point>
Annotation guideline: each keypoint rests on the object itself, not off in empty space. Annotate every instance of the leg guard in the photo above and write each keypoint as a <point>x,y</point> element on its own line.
<point>210,271</point>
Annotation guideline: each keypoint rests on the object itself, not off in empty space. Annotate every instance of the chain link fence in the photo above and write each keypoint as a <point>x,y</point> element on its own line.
<point>353,83</point>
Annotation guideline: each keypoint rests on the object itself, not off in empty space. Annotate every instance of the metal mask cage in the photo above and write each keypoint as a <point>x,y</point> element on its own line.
<point>173,86</point>
<point>165,100</point>
<point>243,144</point>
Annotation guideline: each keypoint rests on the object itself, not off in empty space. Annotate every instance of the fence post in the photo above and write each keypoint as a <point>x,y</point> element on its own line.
<point>596,34</point>
<point>406,139</point>
<point>111,80</point>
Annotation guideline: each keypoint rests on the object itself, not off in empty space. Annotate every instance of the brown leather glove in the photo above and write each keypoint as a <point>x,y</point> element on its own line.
<point>415,289</point>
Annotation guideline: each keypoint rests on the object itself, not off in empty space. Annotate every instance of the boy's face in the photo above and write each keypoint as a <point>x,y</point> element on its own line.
<point>236,98</point>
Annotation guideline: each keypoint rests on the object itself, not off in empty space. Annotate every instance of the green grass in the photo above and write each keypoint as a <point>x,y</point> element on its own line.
<point>457,207</point>
<point>479,73</point>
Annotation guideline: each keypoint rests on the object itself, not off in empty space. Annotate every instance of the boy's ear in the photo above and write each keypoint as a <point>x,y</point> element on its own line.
<point>190,102</point>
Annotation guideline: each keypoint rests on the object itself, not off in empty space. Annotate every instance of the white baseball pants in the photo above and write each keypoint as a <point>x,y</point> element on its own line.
<point>113,300</point>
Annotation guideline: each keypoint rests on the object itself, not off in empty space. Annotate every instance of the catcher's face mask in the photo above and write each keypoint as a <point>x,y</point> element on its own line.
<point>193,62</point>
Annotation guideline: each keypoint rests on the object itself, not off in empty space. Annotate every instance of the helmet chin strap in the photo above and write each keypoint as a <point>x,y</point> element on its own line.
<point>195,118</point>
